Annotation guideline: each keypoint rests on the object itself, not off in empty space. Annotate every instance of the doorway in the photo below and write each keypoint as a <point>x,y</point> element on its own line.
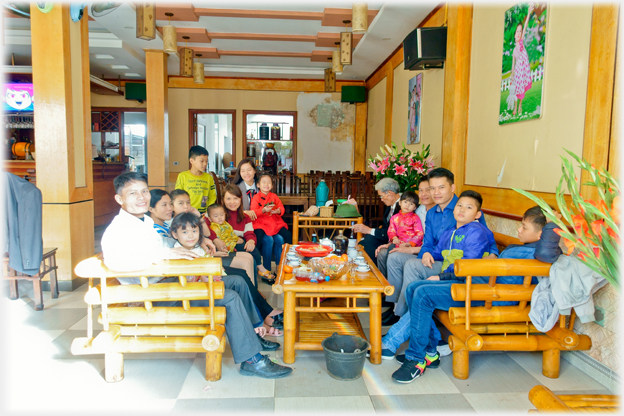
<point>215,130</point>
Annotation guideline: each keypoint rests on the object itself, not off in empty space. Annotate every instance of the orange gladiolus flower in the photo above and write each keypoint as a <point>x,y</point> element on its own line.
<point>580,225</point>
<point>596,225</point>
<point>615,236</point>
<point>568,243</point>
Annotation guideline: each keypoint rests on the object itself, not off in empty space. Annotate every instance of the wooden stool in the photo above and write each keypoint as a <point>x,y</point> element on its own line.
<point>48,266</point>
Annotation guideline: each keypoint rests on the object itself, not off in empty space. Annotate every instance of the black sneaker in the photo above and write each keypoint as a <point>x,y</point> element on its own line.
<point>409,371</point>
<point>264,368</point>
<point>435,363</point>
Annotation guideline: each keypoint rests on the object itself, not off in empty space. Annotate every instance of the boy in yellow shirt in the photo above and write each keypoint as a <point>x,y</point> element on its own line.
<point>199,184</point>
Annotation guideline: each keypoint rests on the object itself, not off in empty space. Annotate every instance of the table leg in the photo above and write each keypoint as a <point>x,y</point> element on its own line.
<point>290,327</point>
<point>375,327</point>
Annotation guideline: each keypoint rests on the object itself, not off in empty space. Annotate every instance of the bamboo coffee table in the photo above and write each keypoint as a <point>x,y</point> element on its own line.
<point>307,321</point>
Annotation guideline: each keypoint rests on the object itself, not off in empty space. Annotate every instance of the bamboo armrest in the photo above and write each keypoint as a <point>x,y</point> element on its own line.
<point>501,267</point>
<point>94,267</point>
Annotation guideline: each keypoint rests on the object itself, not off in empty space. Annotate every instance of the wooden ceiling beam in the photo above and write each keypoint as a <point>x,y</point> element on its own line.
<point>262,36</point>
<point>260,14</point>
<point>266,53</point>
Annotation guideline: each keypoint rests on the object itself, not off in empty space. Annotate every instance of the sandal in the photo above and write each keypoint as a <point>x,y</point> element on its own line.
<point>273,332</point>
<point>267,277</point>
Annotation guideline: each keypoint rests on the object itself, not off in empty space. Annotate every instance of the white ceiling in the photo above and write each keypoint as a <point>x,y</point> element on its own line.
<point>115,35</point>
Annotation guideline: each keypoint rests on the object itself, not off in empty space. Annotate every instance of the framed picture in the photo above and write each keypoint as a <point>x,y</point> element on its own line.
<point>414,109</point>
<point>524,43</point>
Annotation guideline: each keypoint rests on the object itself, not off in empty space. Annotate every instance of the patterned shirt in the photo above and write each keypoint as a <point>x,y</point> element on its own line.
<point>407,227</point>
<point>225,232</point>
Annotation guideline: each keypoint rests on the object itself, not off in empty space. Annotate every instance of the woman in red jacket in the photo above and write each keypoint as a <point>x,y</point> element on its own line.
<point>269,226</point>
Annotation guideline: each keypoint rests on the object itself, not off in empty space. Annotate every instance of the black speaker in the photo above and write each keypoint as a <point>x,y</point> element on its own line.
<point>425,48</point>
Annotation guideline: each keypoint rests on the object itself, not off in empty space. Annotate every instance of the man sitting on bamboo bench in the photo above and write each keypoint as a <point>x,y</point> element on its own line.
<point>131,243</point>
<point>423,297</point>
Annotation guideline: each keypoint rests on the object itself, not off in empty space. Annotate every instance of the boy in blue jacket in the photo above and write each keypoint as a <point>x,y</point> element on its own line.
<point>539,241</point>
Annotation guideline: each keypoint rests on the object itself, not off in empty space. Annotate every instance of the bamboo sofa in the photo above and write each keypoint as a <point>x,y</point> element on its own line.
<point>503,328</point>
<point>545,400</point>
<point>132,325</point>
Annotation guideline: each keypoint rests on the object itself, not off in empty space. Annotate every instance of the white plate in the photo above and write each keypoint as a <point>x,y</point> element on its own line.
<point>363,271</point>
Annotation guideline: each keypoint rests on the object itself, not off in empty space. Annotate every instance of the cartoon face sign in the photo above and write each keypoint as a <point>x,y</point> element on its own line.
<point>18,100</point>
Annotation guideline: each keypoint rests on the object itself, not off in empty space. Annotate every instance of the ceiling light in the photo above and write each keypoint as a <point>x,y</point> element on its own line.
<point>198,71</point>
<point>132,74</point>
<point>145,21</point>
<point>170,42</point>
<point>336,65</point>
<point>186,59</point>
<point>104,57</point>
<point>119,67</point>
<point>359,17</point>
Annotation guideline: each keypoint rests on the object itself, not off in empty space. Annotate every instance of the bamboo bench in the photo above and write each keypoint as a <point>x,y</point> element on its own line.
<point>140,329</point>
<point>546,401</point>
<point>503,328</point>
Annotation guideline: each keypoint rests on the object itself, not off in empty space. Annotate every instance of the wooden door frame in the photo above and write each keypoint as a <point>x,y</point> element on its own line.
<point>274,113</point>
<point>194,112</point>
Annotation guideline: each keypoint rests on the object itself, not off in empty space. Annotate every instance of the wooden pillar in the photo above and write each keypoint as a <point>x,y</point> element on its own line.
<point>157,118</point>
<point>456,91</point>
<point>600,93</point>
<point>60,62</point>
<point>359,148</point>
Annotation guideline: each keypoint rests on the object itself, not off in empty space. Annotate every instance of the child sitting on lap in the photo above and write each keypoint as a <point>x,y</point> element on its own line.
<point>405,228</point>
<point>270,228</point>
<point>222,229</point>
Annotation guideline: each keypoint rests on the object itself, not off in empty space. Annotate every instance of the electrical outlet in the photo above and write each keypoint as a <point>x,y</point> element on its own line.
<point>600,314</point>
<point>176,163</point>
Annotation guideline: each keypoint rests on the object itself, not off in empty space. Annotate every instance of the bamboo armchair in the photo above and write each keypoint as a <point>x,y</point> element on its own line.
<point>309,225</point>
<point>547,401</point>
<point>140,329</point>
<point>503,328</point>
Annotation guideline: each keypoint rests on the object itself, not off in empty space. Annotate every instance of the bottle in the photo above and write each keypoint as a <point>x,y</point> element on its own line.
<point>275,132</point>
<point>264,131</point>
<point>228,171</point>
<point>314,238</point>
<point>322,193</point>
<point>341,243</point>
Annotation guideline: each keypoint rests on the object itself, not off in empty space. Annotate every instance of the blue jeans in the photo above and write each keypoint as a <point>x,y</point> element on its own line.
<point>272,245</point>
<point>400,332</point>
<point>422,298</point>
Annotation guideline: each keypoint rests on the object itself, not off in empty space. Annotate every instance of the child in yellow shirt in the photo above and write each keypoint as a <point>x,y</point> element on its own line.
<point>199,184</point>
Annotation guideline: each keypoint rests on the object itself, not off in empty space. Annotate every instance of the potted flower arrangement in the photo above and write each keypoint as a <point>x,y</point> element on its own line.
<point>596,224</point>
<point>404,166</point>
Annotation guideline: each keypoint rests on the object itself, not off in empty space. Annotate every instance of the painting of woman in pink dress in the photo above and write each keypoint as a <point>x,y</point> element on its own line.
<point>523,62</point>
<point>413,111</point>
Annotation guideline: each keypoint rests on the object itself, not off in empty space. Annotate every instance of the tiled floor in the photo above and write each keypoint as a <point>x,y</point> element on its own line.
<point>40,374</point>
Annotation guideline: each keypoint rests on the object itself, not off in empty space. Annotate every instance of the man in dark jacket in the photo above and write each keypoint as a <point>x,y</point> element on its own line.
<point>389,191</point>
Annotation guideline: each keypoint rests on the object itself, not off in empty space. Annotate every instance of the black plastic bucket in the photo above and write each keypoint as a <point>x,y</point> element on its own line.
<point>345,355</point>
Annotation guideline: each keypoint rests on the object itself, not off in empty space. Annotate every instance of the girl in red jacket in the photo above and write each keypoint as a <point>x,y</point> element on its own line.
<point>271,230</point>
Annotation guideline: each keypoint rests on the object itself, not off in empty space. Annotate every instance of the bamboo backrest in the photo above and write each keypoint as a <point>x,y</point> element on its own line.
<point>489,292</point>
<point>220,184</point>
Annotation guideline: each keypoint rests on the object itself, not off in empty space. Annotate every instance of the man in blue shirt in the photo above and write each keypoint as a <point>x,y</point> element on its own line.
<point>404,267</point>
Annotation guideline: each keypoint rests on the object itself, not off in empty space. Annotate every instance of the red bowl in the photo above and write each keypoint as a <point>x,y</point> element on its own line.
<point>313,251</point>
